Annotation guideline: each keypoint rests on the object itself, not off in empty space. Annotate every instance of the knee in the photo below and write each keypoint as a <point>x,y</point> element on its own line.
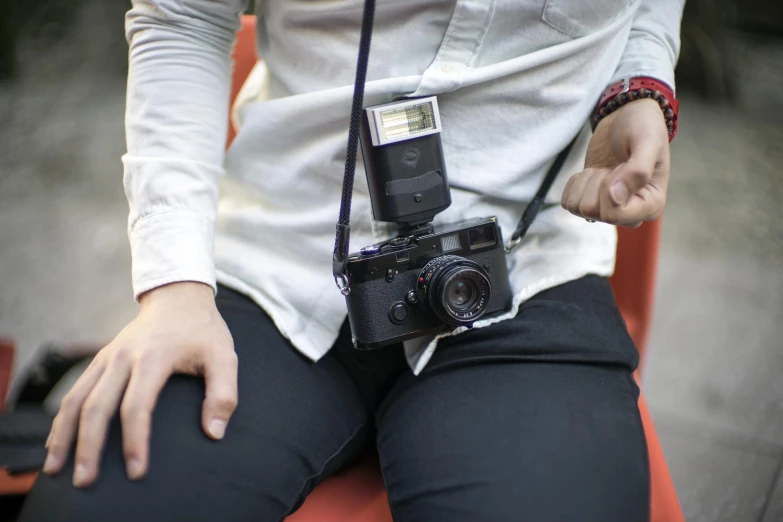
<point>513,501</point>
<point>55,499</point>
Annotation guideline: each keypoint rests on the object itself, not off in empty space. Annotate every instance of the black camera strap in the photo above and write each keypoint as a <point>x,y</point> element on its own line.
<point>343,233</point>
<point>537,202</point>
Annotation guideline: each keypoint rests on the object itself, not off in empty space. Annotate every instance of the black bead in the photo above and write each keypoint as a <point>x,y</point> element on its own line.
<point>612,106</point>
<point>664,103</point>
<point>643,93</point>
<point>604,111</point>
<point>632,95</point>
<point>621,99</point>
<point>669,113</point>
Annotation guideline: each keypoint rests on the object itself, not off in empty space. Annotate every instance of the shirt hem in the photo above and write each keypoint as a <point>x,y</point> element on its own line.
<point>299,341</point>
<point>523,295</point>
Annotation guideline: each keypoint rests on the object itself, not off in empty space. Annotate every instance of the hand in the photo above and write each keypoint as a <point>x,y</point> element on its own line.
<point>626,169</point>
<point>178,330</point>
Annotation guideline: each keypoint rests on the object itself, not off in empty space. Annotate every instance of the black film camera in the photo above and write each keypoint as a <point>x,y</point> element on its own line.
<point>426,280</point>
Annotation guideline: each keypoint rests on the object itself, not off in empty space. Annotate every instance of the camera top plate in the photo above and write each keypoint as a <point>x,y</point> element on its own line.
<point>404,253</point>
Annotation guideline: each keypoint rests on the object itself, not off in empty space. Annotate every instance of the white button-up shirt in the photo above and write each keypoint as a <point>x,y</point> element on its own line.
<point>516,80</point>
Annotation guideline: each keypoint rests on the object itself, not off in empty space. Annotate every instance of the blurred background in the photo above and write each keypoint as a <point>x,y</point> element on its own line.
<point>714,374</point>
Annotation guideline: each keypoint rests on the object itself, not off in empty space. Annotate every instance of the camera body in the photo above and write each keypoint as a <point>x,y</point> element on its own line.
<point>425,280</point>
<point>411,286</point>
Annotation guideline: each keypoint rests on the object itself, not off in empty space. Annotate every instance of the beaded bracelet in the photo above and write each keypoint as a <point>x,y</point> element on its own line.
<point>668,107</point>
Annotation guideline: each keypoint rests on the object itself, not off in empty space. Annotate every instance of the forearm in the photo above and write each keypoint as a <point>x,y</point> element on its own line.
<point>654,42</point>
<point>176,119</point>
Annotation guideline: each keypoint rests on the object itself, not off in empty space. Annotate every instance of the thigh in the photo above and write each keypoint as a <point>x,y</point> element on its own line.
<point>534,418</point>
<point>295,422</point>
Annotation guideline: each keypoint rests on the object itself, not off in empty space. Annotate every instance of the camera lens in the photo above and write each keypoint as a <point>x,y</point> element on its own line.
<point>455,289</point>
<point>460,293</point>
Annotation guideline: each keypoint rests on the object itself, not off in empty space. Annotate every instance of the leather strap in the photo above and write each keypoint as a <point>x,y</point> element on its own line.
<point>630,89</point>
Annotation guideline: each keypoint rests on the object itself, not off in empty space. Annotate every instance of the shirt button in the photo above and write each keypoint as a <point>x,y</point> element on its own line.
<point>446,68</point>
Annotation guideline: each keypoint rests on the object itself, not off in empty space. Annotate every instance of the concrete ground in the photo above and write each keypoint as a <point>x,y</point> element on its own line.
<point>713,374</point>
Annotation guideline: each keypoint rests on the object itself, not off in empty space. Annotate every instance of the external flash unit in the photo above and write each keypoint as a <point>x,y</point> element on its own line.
<point>403,159</point>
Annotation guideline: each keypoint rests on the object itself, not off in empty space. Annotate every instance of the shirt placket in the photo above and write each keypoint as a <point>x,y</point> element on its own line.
<point>459,48</point>
<point>457,52</point>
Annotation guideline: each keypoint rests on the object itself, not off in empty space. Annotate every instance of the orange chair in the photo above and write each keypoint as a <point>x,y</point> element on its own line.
<point>17,484</point>
<point>357,494</point>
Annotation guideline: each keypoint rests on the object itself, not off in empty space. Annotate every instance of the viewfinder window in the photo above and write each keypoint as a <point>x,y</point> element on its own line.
<point>483,236</point>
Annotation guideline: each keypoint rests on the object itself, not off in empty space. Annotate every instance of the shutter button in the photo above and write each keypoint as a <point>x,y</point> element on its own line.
<point>398,313</point>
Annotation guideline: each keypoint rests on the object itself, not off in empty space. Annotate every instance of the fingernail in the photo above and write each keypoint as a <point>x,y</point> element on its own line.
<point>51,464</point>
<point>134,469</point>
<point>619,193</point>
<point>217,428</point>
<point>80,476</point>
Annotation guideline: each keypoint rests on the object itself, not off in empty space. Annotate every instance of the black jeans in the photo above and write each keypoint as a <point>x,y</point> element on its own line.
<point>533,418</point>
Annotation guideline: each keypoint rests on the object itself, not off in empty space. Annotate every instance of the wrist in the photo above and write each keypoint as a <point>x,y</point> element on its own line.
<point>647,105</point>
<point>636,90</point>
<point>189,290</point>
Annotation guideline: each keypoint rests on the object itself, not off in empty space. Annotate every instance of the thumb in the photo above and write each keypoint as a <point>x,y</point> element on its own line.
<point>220,374</point>
<point>636,172</point>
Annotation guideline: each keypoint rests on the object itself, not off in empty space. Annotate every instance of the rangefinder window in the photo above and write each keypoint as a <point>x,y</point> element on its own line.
<point>450,242</point>
<point>480,237</point>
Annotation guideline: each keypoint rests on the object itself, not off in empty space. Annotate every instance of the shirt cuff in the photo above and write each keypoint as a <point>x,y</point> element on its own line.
<point>171,246</point>
<point>646,56</point>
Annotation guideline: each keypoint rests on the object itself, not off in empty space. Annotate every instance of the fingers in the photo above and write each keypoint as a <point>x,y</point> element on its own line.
<point>220,374</point>
<point>635,191</point>
<point>141,396</point>
<point>573,192</point>
<point>613,213</point>
<point>567,190</point>
<point>96,413</point>
<point>645,205</point>
<point>588,195</point>
<point>65,423</point>
<point>589,205</point>
<point>581,195</point>
<point>637,171</point>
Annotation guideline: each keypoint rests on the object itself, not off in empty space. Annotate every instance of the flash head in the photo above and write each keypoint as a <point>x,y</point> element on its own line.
<point>401,121</point>
<point>403,160</point>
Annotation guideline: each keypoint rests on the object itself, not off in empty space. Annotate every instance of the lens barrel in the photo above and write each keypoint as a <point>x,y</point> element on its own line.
<point>455,289</point>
